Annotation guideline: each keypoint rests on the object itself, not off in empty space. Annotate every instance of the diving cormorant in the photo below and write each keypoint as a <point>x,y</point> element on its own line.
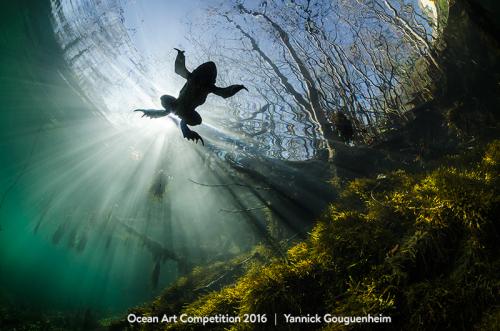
<point>199,84</point>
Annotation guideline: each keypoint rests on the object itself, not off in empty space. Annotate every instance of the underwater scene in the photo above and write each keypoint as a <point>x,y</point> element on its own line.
<point>249,165</point>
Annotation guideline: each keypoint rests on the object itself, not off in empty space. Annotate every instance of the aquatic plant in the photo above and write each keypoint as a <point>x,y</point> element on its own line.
<point>421,248</point>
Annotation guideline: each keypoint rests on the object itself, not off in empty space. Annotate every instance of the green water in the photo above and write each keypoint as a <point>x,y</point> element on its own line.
<point>36,105</point>
<point>84,199</point>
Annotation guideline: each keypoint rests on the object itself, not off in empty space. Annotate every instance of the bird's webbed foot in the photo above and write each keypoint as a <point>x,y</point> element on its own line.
<point>190,134</point>
<point>194,136</point>
<point>153,113</point>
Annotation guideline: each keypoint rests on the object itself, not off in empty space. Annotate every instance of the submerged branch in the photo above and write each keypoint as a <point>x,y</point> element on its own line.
<point>242,210</point>
<point>230,184</point>
<point>221,277</point>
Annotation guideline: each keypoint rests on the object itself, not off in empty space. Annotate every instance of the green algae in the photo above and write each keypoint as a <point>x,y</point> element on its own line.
<point>421,248</point>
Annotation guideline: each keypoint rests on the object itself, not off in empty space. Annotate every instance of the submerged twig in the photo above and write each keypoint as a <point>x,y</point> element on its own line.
<point>379,178</point>
<point>242,210</point>
<point>223,275</point>
<point>229,184</point>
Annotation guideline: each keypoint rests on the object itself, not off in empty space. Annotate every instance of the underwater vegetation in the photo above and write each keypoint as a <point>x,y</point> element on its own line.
<point>422,248</point>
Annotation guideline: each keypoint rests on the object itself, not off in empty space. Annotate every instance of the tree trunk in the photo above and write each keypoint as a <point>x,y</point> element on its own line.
<point>313,95</point>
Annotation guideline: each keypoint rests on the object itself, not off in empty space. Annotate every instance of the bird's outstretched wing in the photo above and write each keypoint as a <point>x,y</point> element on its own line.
<point>153,113</point>
<point>180,64</point>
<point>229,91</point>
